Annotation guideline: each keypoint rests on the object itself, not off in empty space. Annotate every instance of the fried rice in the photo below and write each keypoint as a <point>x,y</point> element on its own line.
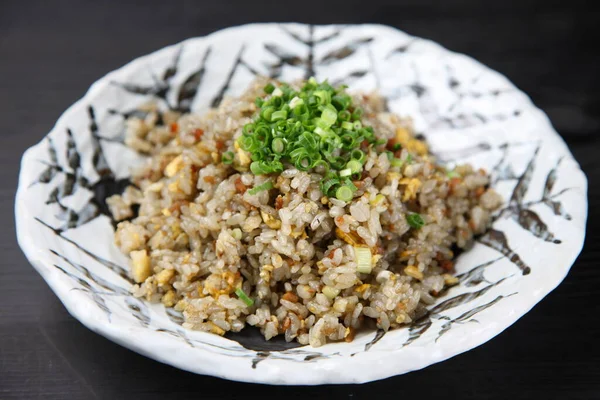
<point>284,260</point>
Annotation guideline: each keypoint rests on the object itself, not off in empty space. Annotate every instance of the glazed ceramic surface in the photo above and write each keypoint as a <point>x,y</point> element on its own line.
<point>467,113</point>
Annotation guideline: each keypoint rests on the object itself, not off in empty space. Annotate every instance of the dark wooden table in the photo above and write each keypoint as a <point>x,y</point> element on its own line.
<point>51,51</point>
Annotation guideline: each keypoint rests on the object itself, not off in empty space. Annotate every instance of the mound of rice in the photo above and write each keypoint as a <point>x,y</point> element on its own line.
<point>199,233</point>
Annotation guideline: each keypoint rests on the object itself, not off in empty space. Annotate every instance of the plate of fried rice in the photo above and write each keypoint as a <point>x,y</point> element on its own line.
<point>299,204</point>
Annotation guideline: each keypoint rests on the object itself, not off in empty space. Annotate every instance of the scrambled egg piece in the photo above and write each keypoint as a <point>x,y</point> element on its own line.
<point>174,166</point>
<point>414,272</point>
<point>270,220</point>
<point>412,187</point>
<point>411,144</point>
<point>350,237</point>
<point>140,269</point>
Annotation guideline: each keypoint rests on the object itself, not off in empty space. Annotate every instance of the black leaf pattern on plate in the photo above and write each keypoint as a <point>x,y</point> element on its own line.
<point>475,276</point>
<point>345,52</point>
<point>522,186</point>
<point>103,283</point>
<point>189,88</point>
<point>496,240</point>
<point>378,336</point>
<point>178,334</point>
<point>121,271</point>
<point>175,316</point>
<point>531,222</point>
<point>260,356</point>
<point>421,325</point>
<point>308,62</point>
<point>171,70</point>
<point>462,299</point>
<point>98,158</point>
<point>466,317</point>
<point>238,61</point>
<point>351,77</point>
<point>418,328</point>
<point>401,49</point>
<point>138,310</point>
<point>88,289</point>
<point>283,58</point>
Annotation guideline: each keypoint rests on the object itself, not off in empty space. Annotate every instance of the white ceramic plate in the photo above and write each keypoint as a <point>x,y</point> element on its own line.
<point>466,111</point>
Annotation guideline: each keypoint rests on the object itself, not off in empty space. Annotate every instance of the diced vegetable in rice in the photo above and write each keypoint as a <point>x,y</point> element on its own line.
<point>231,242</point>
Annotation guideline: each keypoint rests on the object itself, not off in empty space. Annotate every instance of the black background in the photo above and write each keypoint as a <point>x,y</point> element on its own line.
<point>51,51</point>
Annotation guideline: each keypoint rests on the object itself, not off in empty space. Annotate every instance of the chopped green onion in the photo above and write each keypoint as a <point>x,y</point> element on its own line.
<point>277,92</point>
<point>269,88</point>
<point>358,112</point>
<point>236,233</point>
<point>341,102</point>
<point>415,220</point>
<point>344,116</point>
<point>409,159</point>
<point>296,101</point>
<point>314,127</point>
<point>354,166</point>
<point>347,125</point>
<point>261,168</point>
<point>345,172</point>
<point>344,193</point>
<point>362,256</point>
<point>278,145</point>
<point>397,147</point>
<point>330,292</point>
<point>320,131</point>
<point>328,184</point>
<point>379,142</point>
<point>261,188</point>
<point>453,174</point>
<point>396,162</point>
<point>267,112</point>
<point>328,117</point>
<point>323,96</point>
<point>390,155</point>
<point>244,297</point>
<point>227,157</point>
<point>358,155</point>
<point>279,115</point>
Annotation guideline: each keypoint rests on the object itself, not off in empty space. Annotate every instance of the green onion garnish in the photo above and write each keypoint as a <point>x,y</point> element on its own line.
<point>397,147</point>
<point>415,220</point>
<point>269,88</point>
<point>344,193</point>
<point>261,188</point>
<point>396,162</point>
<point>278,145</point>
<point>354,166</point>
<point>236,233</point>
<point>279,115</point>
<point>316,126</point>
<point>227,157</point>
<point>244,297</point>
<point>453,174</point>
<point>363,258</point>
<point>347,125</point>
<point>345,172</point>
